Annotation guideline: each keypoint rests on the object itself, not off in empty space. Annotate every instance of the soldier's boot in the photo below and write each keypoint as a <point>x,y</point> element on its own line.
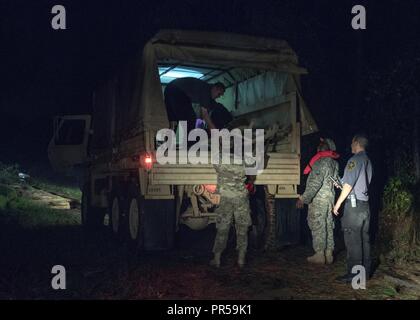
<point>241,258</point>
<point>329,258</point>
<point>215,262</point>
<point>318,258</point>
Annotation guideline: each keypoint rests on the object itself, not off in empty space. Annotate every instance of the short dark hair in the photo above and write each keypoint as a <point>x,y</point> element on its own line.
<point>219,85</point>
<point>362,140</point>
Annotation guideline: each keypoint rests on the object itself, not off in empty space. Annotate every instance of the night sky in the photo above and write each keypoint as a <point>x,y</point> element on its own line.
<point>46,72</point>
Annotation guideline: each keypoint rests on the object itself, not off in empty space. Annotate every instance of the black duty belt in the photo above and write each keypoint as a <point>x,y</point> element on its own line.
<point>358,201</point>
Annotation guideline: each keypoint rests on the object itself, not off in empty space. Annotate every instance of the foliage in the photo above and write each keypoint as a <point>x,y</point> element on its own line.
<point>3,202</point>
<point>56,188</point>
<point>13,199</point>
<point>30,213</point>
<point>9,173</point>
<point>392,96</point>
<point>399,225</point>
<point>397,199</point>
<point>7,194</point>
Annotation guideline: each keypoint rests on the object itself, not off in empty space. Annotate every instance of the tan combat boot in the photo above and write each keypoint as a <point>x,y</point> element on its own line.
<point>318,257</point>
<point>329,258</point>
<point>216,260</point>
<point>241,258</point>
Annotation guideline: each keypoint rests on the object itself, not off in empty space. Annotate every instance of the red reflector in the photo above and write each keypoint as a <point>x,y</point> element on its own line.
<point>210,188</point>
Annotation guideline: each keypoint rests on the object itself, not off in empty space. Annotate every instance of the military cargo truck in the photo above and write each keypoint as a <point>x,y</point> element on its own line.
<point>145,202</point>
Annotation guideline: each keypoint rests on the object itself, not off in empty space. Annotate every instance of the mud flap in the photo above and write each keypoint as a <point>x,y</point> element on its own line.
<point>159,224</point>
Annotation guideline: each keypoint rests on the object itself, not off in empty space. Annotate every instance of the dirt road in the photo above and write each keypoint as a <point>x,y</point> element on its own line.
<point>100,268</point>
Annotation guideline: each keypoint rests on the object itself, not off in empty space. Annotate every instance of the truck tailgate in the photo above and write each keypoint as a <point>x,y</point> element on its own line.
<point>282,168</point>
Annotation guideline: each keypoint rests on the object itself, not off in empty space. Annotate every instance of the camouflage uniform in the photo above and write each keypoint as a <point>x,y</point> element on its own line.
<point>319,194</point>
<point>234,205</point>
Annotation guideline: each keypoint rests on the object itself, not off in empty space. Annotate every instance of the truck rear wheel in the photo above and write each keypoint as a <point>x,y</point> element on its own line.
<point>91,217</point>
<point>115,215</point>
<point>135,218</point>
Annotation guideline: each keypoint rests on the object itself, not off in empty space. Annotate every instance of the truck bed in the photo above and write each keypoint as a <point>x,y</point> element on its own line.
<point>282,169</point>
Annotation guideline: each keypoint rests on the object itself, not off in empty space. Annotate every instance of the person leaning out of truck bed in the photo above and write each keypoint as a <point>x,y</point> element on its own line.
<point>181,93</point>
<point>219,118</point>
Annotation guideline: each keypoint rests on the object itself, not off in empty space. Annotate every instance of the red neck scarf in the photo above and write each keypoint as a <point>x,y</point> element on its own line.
<point>319,155</point>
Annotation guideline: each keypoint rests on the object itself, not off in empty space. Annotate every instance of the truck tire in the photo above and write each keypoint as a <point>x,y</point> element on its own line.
<point>116,218</point>
<point>91,217</point>
<point>135,218</point>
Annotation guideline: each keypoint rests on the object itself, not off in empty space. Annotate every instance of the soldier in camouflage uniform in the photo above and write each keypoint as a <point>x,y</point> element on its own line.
<point>234,200</point>
<point>233,207</point>
<point>319,195</point>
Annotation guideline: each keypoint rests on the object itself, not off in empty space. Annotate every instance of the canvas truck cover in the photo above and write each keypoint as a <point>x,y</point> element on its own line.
<point>141,106</point>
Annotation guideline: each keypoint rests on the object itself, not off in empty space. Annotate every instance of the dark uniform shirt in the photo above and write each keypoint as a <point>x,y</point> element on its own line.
<point>358,174</point>
<point>197,90</point>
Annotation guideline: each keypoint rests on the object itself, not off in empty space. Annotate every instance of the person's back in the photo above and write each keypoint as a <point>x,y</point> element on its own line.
<point>197,90</point>
<point>231,180</point>
<point>180,95</point>
<point>233,207</point>
<point>355,220</point>
<point>234,203</point>
<point>220,116</point>
<point>323,169</point>
<point>359,166</point>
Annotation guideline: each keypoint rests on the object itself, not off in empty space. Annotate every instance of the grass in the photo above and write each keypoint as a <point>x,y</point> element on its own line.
<point>35,237</point>
<point>9,175</point>
<point>30,214</point>
<point>59,189</point>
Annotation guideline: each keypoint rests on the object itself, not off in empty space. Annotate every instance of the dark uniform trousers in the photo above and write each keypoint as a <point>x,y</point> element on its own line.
<point>355,225</point>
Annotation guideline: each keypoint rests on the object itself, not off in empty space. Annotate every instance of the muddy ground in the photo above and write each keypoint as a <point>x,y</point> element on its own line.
<point>98,267</point>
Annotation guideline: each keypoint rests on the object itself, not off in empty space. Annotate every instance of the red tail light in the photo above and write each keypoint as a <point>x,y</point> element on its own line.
<point>146,161</point>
